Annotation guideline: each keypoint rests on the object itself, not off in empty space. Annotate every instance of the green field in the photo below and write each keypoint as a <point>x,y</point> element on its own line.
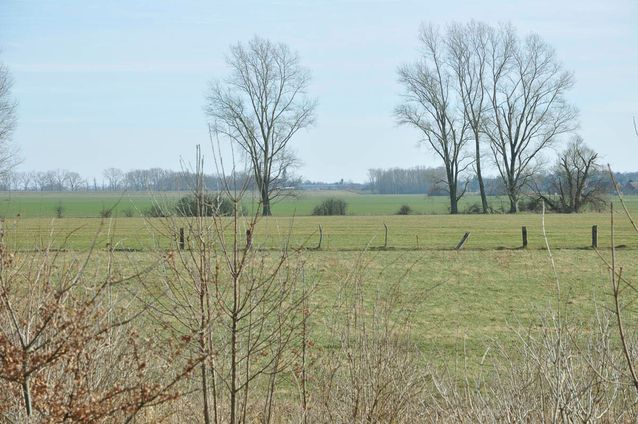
<point>87,205</point>
<point>84,205</point>
<point>462,301</point>
<point>406,233</point>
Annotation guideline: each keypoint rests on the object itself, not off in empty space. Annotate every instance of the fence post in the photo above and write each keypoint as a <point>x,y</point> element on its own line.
<point>181,238</point>
<point>524,234</point>
<point>385,242</point>
<point>462,242</point>
<point>320,236</point>
<point>594,236</point>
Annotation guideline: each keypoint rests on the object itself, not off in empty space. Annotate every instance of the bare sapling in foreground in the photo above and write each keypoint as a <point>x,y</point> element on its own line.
<point>240,306</point>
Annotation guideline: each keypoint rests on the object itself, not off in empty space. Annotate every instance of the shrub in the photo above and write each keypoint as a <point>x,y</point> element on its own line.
<point>530,204</point>
<point>474,208</point>
<point>128,212</point>
<point>59,211</point>
<point>157,211</point>
<point>331,206</point>
<point>213,205</point>
<point>404,210</point>
<point>106,212</point>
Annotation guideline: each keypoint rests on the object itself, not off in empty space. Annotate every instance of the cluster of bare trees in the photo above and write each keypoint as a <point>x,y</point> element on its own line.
<point>416,180</point>
<point>482,86</point>
<point>52,180</point>
<point>115,179</point>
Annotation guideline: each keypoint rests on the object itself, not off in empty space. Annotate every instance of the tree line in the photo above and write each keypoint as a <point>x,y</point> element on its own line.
<point>115,179</point>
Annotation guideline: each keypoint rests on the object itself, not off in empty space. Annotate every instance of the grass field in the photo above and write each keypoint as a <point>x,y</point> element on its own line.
<point>461,301</point>
<point>89,205</point>
<point>418,232</point>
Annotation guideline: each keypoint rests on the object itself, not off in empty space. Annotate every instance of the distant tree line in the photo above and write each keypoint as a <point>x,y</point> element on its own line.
<point>417,180</point>
<point>114,179</point>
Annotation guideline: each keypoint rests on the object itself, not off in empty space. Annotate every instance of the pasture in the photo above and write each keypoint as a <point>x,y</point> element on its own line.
<point>90,205</point>
<point>461,302</point>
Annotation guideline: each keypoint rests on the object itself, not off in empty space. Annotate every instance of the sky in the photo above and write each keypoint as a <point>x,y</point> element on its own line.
<point>122,83</point>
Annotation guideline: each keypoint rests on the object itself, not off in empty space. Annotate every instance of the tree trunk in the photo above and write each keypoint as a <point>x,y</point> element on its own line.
<point>479,176</point>
<point>513,202</point>
<point>266,207</point>
<point>265,201</point>
<point>454,208</point>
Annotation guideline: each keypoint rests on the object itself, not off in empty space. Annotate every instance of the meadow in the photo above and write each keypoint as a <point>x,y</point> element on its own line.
<point>90,205</point>
<point>466,299</point>
<point>458,316</point>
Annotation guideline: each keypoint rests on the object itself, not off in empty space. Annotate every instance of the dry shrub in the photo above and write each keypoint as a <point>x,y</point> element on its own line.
<point>555,374</point>
<point>375,372</point>
<point>69,346</point>
<point>240,307</point>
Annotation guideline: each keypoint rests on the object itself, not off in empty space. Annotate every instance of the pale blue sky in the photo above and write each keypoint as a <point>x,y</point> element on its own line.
<point>122,83</point>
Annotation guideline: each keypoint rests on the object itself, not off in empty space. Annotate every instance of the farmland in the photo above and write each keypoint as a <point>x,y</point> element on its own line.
<point>462,301</point>
<point>30,218</point>
<point>89,205</point>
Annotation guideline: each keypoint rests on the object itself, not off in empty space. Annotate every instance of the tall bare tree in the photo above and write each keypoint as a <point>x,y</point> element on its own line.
<point>528,107</point>
<point>467,47</point>
<point>430,104</point>
<point>260,107</point>
<point>7,121</point>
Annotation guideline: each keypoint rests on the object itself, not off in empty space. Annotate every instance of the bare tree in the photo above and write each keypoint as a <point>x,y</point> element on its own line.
<point>260,107</point>
<point>73,180</point>
<point>467,46</point>
<point>7,121</point>
<point>528,106</point>
<point>114,177</point>
<point>431,106</point>
<point>578,179</point>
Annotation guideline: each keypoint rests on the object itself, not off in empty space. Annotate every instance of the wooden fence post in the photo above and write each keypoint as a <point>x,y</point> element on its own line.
<point>524,234</point>
<point>594,236</point>
<point>181,238</point>
<point>385,242</point>
<point>462,242</point>
<point>320,236</point>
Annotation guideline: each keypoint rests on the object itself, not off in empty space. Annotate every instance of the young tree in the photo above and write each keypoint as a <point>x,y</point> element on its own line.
<point>578,179</point>
<point>529,111</point>
<point>260,107</point>
<point>7,121</point>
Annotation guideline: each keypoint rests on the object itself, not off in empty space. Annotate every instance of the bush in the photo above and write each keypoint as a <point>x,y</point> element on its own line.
<point>331,206</point>
<point>213,205</point>
<point>530,204</point>
<point>157,211</point>
<point>128,212</point>
<point>474,208</point>
<point>404,210</point>
<point>59,211</point>
<point>106,212</point>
